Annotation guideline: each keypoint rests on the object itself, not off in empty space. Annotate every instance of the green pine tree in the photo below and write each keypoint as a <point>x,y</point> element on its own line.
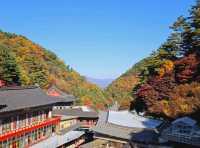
<point>9,71</point>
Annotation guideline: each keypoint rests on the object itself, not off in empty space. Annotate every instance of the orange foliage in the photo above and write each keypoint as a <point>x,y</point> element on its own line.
<point>168,65</point>
<point>100,106</point>
<point>166,68</point>
<point>87,102</point>
<point>161,72</point>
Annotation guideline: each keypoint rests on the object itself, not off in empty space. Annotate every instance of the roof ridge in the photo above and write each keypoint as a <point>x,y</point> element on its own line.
<point>18,87</point>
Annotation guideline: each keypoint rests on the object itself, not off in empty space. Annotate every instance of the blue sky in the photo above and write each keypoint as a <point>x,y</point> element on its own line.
<point>98,38</point>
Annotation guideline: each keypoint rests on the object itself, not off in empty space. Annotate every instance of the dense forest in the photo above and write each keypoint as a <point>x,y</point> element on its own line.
<point>167,83</point>
<point>23,62</point>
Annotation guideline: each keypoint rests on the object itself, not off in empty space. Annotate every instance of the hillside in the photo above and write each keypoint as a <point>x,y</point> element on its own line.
<point>23,62</point>
<point>169,79</point>
<point>121,89</point>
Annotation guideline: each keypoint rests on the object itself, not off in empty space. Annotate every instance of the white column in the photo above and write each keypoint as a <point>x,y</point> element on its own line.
<point>50,114</point>
<point>12,124</point>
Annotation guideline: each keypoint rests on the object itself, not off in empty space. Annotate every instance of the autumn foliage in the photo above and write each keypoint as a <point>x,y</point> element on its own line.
<point>175,92</point>
<point>26,63</point>
<point>172,85</point>
<point>120,91</point>
<point>168,83</point>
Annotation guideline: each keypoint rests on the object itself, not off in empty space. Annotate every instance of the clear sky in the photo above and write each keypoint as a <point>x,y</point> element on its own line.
<point>98,38</point>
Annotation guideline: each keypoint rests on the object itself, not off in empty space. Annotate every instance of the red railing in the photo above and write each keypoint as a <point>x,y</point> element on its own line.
<point>30,128</point>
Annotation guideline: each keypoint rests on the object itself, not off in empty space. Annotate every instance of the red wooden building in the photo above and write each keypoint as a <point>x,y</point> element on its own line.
<point>26,116</point>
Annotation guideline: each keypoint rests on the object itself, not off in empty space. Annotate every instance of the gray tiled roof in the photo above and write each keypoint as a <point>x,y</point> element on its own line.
<point>104,127</point>
<point>115,131</point>
<point>16,98</point>
<point>128,119</point>
<point>75,112</point>
<point>58,140</point>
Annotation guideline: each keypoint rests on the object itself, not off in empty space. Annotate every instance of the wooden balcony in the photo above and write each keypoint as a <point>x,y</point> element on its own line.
<point>27,129</point>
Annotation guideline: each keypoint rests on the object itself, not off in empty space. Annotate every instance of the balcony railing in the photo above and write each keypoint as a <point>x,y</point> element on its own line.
<point>29,128</point>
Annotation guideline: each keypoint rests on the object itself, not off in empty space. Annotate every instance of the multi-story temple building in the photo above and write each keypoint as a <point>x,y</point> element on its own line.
<point>82,116</point>
<point>77,120</point>
<point>26,119</point>
<point>124,129</point>
<point>184,131</point>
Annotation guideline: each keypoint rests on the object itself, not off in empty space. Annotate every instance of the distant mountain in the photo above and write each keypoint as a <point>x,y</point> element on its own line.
<point>103,83</point>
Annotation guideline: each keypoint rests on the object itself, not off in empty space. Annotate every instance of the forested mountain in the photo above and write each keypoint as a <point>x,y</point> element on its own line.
<point>23,62</point>
<point>169,79</point>
<point>164,84</point>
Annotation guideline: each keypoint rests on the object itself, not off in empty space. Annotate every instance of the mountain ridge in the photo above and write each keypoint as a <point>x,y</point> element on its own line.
<point>25,63</point>
<point>101,82</point>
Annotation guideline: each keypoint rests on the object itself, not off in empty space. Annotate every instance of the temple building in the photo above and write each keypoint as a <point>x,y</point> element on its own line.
<point>81,115</point>
<point>26,119</point>
<point>184,131</point>
<point>124,129</point>
<point>26,116</point>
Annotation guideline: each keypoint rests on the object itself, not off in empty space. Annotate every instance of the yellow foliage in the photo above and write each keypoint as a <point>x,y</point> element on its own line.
<point>24,77</point>
<point>166,67</point>
<point>161,72</point>
<point>184,107</point>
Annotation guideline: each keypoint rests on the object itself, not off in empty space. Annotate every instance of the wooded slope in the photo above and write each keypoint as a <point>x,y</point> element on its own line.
<point>23,62</point>
<point>169,79</point>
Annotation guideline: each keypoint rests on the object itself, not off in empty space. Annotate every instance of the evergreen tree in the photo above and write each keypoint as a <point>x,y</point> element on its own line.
<point>182,29</point>
<point>9,71</point>
<point>195,26</point>
<point>37,71</point>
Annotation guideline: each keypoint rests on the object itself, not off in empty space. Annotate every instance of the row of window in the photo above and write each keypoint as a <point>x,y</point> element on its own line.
<point>67,123</point>
<point>25,120</point>
<point>28,139</point>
